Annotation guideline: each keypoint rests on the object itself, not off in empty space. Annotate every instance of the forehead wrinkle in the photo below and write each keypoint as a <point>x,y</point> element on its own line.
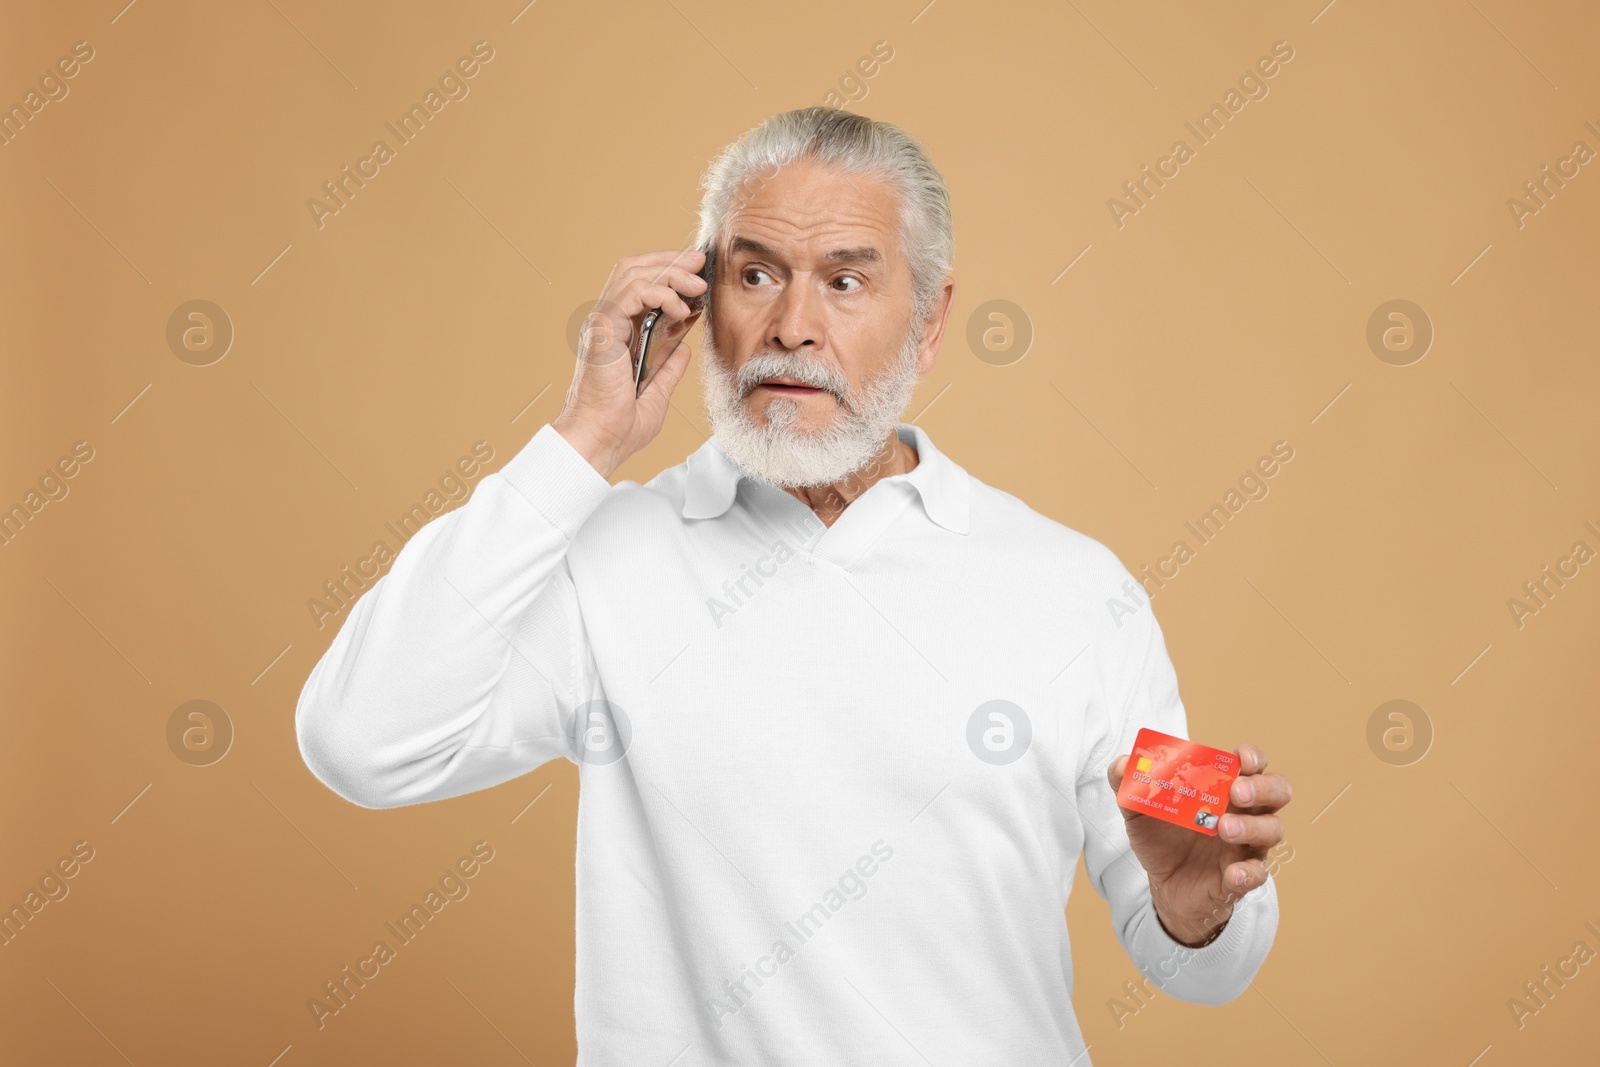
<point>815,204</point>
<point>820,239</point>
<point>894,197</point>
<point>815,217</point>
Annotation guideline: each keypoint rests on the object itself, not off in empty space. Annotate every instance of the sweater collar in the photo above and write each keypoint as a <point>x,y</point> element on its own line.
<point>713,481</point>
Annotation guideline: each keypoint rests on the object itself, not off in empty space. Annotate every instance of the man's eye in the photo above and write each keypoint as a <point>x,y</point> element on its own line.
<point>754,270</point>
<point>848,278</point>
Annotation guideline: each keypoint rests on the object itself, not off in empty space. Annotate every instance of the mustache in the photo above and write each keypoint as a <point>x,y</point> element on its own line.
<point>764,365</point>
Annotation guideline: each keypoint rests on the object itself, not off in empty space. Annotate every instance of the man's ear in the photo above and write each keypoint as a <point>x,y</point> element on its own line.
<point>933,329</point>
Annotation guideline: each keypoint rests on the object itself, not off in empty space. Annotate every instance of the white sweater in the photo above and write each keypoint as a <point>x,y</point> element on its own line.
<point>835,780</point>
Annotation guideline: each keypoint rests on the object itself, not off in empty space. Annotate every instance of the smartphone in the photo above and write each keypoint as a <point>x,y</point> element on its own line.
<point>647,349</point>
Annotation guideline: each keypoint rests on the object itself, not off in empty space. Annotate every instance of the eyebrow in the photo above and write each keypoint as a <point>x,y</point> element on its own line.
<point>863,254</point>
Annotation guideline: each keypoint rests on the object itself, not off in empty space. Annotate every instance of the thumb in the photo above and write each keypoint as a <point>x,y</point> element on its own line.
<point>1114,773</point>
<point>667,376</point>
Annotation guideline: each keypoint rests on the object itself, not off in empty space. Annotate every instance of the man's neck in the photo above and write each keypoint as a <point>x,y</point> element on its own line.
<point>829,501</point>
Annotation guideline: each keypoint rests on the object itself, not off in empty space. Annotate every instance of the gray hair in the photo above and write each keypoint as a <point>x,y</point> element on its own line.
<point>856,145</point>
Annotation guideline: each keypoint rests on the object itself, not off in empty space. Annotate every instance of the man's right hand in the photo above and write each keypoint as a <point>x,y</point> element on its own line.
<point>602,418</point>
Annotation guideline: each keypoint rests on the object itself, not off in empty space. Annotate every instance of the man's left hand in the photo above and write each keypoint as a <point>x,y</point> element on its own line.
<point>1194,877</point>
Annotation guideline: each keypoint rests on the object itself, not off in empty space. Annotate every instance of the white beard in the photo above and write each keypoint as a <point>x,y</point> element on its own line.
<point>779,454</point>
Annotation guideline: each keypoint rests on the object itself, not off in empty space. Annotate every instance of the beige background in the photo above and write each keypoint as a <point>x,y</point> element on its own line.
<point>1229,313</point>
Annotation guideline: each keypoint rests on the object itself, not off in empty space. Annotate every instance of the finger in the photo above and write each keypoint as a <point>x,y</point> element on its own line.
<point>681,276</point>
<point>1257,831</point>
<point>673,307</point>
<point>1251,759</point>
<point>692,258</point>
<point>677,331</point>
<point>664,379</point>
<point>1245,875</point>
<point>662,346</point>
<point>1114,773</point>
<point>1261,792</point>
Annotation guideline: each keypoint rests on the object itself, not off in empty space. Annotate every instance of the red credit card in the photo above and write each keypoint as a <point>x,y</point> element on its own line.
<point>1177,781</point>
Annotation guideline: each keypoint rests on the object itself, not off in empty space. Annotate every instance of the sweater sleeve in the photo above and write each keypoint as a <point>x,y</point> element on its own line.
<point>461,667</point>
<point>1215,973</point>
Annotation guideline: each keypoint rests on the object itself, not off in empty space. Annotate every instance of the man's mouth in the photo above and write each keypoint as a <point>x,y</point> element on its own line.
<point>789,387</point>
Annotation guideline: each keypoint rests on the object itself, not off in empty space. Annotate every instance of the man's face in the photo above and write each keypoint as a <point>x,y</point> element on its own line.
<point>812,353</point>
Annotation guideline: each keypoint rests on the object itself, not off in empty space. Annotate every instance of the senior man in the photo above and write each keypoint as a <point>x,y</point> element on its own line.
<point>845,716</point>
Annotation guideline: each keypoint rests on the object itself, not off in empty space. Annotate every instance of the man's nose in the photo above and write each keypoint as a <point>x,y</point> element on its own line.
<point>797,321</point>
